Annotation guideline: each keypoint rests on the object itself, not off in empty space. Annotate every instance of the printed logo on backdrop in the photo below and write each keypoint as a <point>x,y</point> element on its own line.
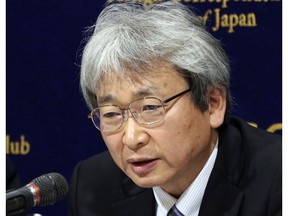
<point>274,128</point>
<point>219,14</point>
<point>19,146</point>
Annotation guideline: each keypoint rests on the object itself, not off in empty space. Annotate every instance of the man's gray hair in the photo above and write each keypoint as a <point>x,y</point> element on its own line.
<point>135,36</point>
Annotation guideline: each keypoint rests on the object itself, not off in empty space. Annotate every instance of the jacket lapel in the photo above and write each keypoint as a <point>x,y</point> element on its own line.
<point>223,195</point>
<point>139,201</point>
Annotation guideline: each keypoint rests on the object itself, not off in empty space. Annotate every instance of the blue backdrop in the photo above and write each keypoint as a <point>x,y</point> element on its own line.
<point>47,125</point>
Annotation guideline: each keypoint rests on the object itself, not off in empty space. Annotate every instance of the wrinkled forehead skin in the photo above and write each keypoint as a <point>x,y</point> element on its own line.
<point>146,77</point>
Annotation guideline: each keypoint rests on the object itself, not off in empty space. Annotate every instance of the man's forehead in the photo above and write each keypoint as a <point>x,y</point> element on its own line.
<point>124,81</point>
<point>150,74</point>
<point>136,87</point>
<point>135,84</point>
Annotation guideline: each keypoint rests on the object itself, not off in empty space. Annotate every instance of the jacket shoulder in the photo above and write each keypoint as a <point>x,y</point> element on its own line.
<point>251,160</point>
<point>99,187</point>
<point>95,180</point>
<point>249,134</point>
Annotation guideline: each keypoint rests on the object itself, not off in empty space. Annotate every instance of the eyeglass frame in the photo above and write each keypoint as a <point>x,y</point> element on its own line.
<point>163,103</point>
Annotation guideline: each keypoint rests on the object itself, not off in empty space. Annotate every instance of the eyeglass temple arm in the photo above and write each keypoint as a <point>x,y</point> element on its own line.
<point>177,95</point>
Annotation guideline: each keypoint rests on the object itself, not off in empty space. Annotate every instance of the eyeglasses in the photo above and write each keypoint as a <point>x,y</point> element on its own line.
<point>146,111</point>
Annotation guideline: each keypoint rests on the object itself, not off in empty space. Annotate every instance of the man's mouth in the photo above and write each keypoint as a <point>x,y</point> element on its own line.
<point>143,167</point>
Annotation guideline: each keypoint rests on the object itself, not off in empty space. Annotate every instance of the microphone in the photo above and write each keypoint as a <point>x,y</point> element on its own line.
<point>44,190</point>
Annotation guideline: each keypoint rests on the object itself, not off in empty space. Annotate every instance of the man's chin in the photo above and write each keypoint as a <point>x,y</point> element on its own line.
<point>145,182</point>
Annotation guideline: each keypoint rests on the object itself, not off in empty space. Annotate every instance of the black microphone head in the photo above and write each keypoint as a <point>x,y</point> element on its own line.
<point>52,188</point>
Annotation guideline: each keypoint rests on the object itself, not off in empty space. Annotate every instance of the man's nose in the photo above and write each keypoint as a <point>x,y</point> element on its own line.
<point>134,134</point>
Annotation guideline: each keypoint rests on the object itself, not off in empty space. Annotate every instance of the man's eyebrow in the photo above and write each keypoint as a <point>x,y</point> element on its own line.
<point>145,92</point>
<point>136,95</point>
<point>105,99</point>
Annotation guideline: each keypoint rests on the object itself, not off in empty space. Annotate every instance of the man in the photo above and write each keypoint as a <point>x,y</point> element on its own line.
<point>158,86</point>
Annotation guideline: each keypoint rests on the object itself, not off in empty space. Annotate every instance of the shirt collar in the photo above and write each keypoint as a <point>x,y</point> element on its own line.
<point>190,201</point>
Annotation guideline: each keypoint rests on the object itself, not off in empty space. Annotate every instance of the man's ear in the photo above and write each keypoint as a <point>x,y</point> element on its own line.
<point>217,106</point>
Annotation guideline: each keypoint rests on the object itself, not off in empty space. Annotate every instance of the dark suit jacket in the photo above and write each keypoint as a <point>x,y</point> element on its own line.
<point>246,180</point>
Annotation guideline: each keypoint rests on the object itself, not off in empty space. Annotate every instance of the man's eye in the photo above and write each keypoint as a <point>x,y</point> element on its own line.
<point>150,107</point>
<point>111,115</point>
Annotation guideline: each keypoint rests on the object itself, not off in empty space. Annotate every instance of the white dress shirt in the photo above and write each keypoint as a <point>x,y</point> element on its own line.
<point>190,201</point>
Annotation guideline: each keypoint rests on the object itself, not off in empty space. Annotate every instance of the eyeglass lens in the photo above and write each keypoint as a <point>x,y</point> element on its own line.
<point>145,111</point>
